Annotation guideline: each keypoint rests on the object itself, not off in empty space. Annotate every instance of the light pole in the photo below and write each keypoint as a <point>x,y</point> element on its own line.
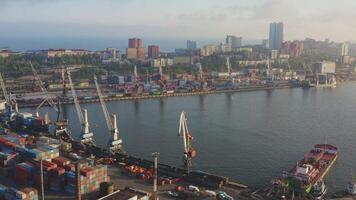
<point>155,157</point>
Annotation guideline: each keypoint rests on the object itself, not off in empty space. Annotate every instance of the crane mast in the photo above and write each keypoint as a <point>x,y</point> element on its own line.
<point>114,144</point>
<point>86,136</point>
<point>183,132</point>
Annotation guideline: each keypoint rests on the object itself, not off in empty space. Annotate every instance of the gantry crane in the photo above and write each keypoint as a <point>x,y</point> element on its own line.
<point>47,98</point>
<point>114,144</point>
<point>189,152</point>
<point>86,137</point>
<point>9,100</point>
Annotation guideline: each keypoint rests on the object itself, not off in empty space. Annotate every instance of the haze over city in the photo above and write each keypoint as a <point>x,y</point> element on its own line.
<point>175,20</point>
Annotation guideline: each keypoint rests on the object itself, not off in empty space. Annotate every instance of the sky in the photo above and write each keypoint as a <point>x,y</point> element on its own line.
<point>177,19</point>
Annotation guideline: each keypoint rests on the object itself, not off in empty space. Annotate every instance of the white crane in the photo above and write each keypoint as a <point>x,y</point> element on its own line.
<point>10,101</point>
<point>114,144</point>
<point>200,67</point>
<point>161,72</point>
<point>48,98</point>
<point>290,71</point>
<point>86,136</point>
<point>183,132</point>
<point>229,70</point>
<point>135,74</point>
<point>6,96</point>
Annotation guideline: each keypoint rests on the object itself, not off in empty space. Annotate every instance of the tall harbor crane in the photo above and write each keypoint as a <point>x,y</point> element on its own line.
<point>200,68</point>
<point>135,74</point>
<point>47,98</point>
<point>114,144</point>
<point>10,101</point>
<point>229,71</point>
<point>183,132</point>
<point>86,137</point>
<point>6,96</point>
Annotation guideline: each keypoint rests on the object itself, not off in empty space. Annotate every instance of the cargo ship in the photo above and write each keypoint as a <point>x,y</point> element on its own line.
<point>313,167</point>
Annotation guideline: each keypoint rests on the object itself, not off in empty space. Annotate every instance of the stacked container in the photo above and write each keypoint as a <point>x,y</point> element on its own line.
<point>90,179</point>
<point>8,158</point>
<point>15,194</point>
<point>23,173</point>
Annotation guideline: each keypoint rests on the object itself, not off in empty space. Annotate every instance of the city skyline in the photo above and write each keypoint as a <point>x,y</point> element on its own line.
<point>189,19</point>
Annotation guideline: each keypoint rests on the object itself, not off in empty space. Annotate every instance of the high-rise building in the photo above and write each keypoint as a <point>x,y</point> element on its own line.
<point>208,50</point>
<point>344,50</point>
<point>135,43</point>
<point>233,42</point>
<point>153,51</point>
<point>294,49</point>
<point>191,45</point>
<point>275,35</point>
<point>135,49</point>
<point>344,53</point>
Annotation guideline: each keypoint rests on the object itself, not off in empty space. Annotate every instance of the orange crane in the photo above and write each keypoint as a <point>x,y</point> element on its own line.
<point>189,152</point>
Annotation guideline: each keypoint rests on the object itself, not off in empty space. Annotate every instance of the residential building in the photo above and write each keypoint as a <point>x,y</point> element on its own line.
<point>135,43</point>
<point>191,45</point>
<point>182,60</point>
<point>135,49</point>
<point>208,50</point>
<point>275,35</point>
<point>4,53</point>
<point>324,67</point>
<point>153,51</point>
<point>224,48</point>
<point>233,42</point>
<point>274,54</point>
<point>265,44</point>
<point>294,49</point>
<point>344,49</point>
<point>110,55</point>
<point>161,62</point>
<point>344,54</point>
<point>51,53</point>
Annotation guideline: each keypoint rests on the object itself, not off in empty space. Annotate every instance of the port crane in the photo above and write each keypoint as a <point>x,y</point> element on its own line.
<point>86,137</point>
<point>61,131</point>
<point>229,71</point>
<point>183,132</point>
<point>47,98</point>
<point>135,74</point>
<point>114,144</point>
<point>8,97</point>
<point>200,68</point>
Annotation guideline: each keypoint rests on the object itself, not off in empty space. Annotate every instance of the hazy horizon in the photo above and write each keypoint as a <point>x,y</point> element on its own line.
<point>206,21</point>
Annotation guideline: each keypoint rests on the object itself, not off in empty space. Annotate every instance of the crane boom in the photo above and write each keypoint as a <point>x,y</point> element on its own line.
<point>86,137</point>
<point>6,96</point>
<point>114,144</point>
<point>183,131</point>
<point>103,106</point>
<point>75,98</point>
<point>43,89</point>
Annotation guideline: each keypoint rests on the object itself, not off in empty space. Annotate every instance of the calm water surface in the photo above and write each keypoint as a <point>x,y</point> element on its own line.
<point>250,136</point>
